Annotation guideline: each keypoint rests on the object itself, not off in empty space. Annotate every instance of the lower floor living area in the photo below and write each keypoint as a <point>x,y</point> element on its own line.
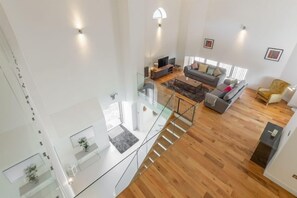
<point>213,159</point>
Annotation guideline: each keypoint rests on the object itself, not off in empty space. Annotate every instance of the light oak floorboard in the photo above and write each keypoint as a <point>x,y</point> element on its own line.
<point>213,158</point>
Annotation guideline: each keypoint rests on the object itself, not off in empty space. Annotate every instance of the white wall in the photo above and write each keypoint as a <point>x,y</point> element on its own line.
<point>193,19</point>
<point>66,68</point>
<point>289,73</point>
<point>75,119</point>
<point>272,28</point>
<point>161,41</point>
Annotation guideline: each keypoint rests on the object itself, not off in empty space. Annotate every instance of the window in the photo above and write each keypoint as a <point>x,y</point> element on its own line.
<point>211,62</point>
<point>191,60</point>
<point>112,115</point>
<point>160,14</point>
<point>199,59</point>
<point>186,61</point>
<point>239,73</point>
<point>227,67</point>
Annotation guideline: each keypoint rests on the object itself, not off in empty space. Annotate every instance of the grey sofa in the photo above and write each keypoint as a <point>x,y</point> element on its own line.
<point>205,78</point>
<point>220,101</point>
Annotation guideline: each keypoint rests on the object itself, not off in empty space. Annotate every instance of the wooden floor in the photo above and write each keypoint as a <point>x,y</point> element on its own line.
<point>213,158</point>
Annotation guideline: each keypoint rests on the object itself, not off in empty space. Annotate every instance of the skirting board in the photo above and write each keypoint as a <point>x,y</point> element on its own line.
<point>278,182</point>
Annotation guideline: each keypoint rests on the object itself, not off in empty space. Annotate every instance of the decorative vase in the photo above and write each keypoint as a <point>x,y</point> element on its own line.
<point>86,149</point>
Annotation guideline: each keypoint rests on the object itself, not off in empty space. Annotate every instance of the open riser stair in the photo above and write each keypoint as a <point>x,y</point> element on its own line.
<point>176,127</point>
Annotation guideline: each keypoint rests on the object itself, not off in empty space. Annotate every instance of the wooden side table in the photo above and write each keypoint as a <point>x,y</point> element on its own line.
<point>267,145</point>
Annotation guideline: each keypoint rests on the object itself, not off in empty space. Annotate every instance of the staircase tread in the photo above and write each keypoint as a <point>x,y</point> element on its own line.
<point>181,124</point>
<point>148,162</point>
<point>175,130</point>
<point>158,148</point>
<point>164,142</point>
<point>153,155</point>
<point>169,136</point>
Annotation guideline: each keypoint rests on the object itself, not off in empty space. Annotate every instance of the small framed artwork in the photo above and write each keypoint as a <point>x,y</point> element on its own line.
<point>273,54</point>
<point>208,43</point>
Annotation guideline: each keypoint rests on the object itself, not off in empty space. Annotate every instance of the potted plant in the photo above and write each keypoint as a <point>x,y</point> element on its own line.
<point>31,173</point>
<point>83,142</point>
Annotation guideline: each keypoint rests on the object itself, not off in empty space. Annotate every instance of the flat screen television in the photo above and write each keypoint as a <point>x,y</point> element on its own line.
<point>163,61</point>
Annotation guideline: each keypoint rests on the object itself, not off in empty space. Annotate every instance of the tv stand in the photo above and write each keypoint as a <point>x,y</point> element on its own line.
<point>162,71</point>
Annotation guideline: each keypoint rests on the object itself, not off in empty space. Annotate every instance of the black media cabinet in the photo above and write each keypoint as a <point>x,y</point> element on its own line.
<point>162,71</point>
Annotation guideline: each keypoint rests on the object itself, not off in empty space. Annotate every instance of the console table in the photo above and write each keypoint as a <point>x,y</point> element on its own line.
<point>84,156</point>
<point>30,189</point>
<point>267,145</point>
<point>162,71</point>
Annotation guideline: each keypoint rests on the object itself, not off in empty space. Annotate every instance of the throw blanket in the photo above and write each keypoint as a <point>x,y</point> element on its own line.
<point>211,99</point>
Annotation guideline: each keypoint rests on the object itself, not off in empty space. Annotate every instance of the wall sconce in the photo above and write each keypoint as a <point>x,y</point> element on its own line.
<point>243,27</point>
<point>113,95</point>
<point>80,31</point>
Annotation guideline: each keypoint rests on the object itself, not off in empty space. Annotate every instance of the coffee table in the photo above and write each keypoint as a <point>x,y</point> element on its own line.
<point>190,84</point>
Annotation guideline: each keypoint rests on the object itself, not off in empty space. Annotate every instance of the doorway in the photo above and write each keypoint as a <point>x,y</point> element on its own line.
<point>113,115</point>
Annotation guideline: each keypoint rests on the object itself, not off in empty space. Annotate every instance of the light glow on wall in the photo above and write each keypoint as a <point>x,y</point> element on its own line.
<point>159,31</point>
<point>77,22</point>
<point>81,36</point>
<point>241,36</point>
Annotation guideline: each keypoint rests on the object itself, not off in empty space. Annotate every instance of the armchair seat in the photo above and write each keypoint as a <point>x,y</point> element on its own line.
<point>265,94</point>
<point>274,93</point>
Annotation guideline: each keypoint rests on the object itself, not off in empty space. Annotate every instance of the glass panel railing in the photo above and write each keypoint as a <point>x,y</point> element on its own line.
<point>130,165</point>
<point>146,145</point>
<point>152,92</point>
<point>164,103</point>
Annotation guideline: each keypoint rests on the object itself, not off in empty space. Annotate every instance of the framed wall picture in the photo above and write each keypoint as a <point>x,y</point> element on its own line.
<point>273,54</point>
<point>208,43</point>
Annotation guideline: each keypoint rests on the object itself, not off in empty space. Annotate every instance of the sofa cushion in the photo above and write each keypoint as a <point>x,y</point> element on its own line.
<point>202,67</point>
<point>265,94</point>
<point>206,77</point>
<point>201,75</point>
<point>234,91</point>
<point>228,89</point>
<point>210,70</point>
<point>194,65</point>
<point>231,94</point>
<point>218,93</point>
<point>217,72</point>
<point>221,87</point>
<point>230,81</point>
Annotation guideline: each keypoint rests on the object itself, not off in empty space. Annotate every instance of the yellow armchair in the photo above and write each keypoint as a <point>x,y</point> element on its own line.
<point>274,93</point>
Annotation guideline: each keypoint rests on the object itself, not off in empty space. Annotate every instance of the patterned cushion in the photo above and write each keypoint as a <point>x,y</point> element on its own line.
<point>195,65</point>
<point>217,72</point>
<point>210,71</point>
<point>202,67</point>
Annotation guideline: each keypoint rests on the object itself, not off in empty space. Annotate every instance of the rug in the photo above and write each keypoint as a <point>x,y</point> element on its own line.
<point>123,139</point>
<point>183,90</point>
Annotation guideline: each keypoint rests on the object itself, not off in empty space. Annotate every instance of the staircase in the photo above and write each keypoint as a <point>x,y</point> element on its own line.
<point>176,127</point>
